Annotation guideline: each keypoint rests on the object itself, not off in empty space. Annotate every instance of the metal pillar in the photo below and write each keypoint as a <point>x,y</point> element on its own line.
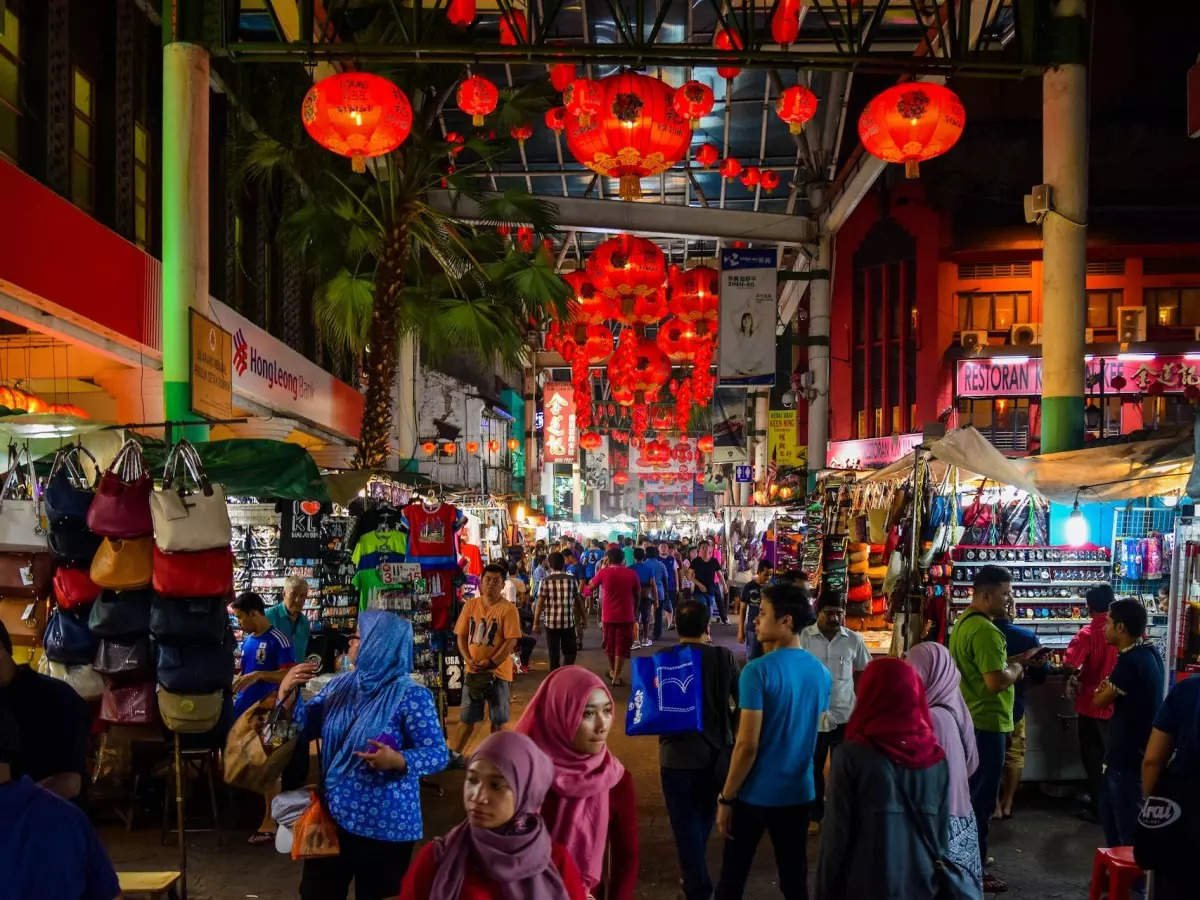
<point>758,437</point>
<point>818,361</point>
<point>184,201</point>
<point>1064,232</point>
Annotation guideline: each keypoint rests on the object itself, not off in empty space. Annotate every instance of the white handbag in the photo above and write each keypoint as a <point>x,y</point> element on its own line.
<point>188,520</point>
<point>85,680</point>
<point>22,527</point>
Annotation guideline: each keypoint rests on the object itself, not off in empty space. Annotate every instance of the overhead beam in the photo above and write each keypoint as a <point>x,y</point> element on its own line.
<point>655,219</point>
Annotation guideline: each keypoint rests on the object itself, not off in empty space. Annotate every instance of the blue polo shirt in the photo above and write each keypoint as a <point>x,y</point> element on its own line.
<point>266,652</point>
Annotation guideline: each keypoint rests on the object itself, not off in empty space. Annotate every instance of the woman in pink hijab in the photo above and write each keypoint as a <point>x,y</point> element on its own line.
<point>590,809</point>
<point>503,851</point>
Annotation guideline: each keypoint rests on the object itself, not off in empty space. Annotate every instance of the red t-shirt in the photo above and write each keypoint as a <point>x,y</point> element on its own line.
<point>431,533</point>
<point>620,587</point>
<point>418,882</point>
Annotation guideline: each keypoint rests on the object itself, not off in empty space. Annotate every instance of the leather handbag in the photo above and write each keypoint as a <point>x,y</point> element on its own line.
<point>28,575</point>
<point>85,680</point>
<point>126,659</point>
<point>129,704</point>
<point>188,519</point>
<point>23,619</point>
<point>203,573</point>
<point>121,615</point>
<point>67,639</point>
<point>189,620</point>
<point>122,565</point>
<point>196,668</point>
<point>69,490</point>
<point>73,544</point>
<point>259,746</point>
<point>74,588</point>
<point>22,527</point>
<point>190,713</point>
<point>121,507</point>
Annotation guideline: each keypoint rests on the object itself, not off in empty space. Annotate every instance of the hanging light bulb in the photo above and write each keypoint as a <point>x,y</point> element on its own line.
<point>1077,526</point>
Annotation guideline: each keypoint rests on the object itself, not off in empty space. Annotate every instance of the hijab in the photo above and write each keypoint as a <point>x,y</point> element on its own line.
<point>581,780</point>
<point>951,721</point>
<point>360,705</point>
<point>516,856</point>
<point>890,714</point>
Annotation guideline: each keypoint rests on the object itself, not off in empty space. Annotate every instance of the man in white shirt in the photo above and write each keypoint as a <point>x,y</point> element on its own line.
<point>845,655</point>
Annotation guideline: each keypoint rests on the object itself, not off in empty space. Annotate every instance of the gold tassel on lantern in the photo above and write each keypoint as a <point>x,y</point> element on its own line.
<point>631,187</point>
<point>358,164</point>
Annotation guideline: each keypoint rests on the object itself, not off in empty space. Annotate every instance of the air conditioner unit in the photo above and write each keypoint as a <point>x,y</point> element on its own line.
<point>1089,335</point>
<point>973,340</point>
<point>1025,334</point>
<point>1131,324</point>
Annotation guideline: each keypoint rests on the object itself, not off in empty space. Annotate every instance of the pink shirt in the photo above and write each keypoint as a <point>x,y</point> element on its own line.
<point>1094,658</point>
<point>620,587</point>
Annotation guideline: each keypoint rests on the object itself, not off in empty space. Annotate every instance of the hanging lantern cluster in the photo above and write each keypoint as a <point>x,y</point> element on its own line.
<point>912,122</point>
<point>357,114</point>
<point>477,97</point>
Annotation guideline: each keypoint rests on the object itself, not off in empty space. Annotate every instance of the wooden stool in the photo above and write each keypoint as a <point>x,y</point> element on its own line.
<point>149,884</point>
<point>1118,865</point>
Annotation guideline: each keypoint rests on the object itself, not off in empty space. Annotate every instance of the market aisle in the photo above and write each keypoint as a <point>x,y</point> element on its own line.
<point>1044,851</point>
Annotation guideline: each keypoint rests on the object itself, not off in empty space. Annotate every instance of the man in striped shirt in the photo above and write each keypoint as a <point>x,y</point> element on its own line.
<point>559,606</point>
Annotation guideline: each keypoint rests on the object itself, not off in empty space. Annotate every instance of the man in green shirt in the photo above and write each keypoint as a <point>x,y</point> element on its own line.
<point>288,615</point>
<point>988,676</point>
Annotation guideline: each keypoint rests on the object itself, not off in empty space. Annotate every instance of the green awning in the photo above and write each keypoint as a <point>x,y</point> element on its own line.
<point>251,468</point>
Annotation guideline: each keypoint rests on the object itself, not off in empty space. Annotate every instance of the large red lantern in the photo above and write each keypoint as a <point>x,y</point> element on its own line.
<point>590,440</point>
<point>707,155</point>
<point>635,134</point>
<point>677,339</point>
<point>724,39</point>
<point>796,106</point>
<point>583,99</point>
<point>626,267</point>
<point>695,293</point>
<point>704,443</point>
<point>477,97</point>
<point>912,122</point>
<point>693,101</point>
<point>785,21</point>
<point>461,13</point>
<point>357,114</point>
<point>589,305</point>
<point>589,344</point>
<point>514,28</point>
<point>639,366</point>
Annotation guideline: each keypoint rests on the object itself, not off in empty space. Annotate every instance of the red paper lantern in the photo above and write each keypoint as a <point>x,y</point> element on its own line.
<point>693,101</point>
<point>707,155</point>
<point>769,180</point>
<point>730,168</point>
<point>477,97</point>
<point>556,118</point>
<point>1118,382</point>
<point>677,339</point>
<point>785,21</point>
<point>514,28</point>
<point>639,366</point>
<point>588,305</point>
<point>621,478</point>
<point>590,440</point>
<point>561,76</point>
<point>357,114</point>
<point>461,13</point>
<point>699,478</point>
<point>525,239</point>
<point>626,267</point>
<point>449,449</point>
<point>635,134</point>
<point>912,122</point>
<point>521,133</point>
<point>695,293</point>
<point>751,176</point>
<point>493,445</point>
<point>723,39</point>
<point>429,447</point>
<point>624,396</point>
<point>583,99</point>
<point>591,344</point>
<point>796,106</point>
<point>704,443</point>
<point>457,143</point>
<point>472,447</point>
<point>513,444</point>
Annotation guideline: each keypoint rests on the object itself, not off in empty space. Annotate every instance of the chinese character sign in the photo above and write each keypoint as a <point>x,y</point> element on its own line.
<point>558,430</point>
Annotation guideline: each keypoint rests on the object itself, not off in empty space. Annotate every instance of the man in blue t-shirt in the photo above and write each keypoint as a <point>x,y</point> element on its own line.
<point>647,603</point>
<point>666,556</point>
<point>770,782</point>
<point>660,581</point>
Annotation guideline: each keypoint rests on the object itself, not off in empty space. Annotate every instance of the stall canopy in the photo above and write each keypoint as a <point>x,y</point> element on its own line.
<point>971,452</point>
<point>1116,471</point>
<point>252,468</point>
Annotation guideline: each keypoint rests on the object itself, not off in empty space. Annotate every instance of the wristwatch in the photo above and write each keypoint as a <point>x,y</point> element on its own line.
<point>724,801</point>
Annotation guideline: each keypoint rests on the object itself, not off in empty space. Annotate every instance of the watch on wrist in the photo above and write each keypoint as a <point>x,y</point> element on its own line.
<point>724,801</point>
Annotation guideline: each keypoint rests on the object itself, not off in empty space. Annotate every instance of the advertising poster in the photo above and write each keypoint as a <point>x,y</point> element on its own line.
<point>749,310</point>
<point>730,418</point>
<point>783,443</point>
<point>558,431</point>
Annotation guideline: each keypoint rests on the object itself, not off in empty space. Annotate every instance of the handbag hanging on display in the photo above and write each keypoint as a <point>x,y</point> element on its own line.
<point>67,639</point>
<point>69,490</point>
<point>72,544</point>
<point>188,620</point>
<point>21,525</point>
<point>190,713</point>
<point>196,668</point>
<point>188,520</point>
<point>124,659</point>
<point>122,565</point>
<point>203,573</point>
<point>28,575</point>
<point>74,588</point>
<point>121,507</point>
<point>129,704</point>
<point>121,615</point>
<point>23,619</point>
<point>85,680</point>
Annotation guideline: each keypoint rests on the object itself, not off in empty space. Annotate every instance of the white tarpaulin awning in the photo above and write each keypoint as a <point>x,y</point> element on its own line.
<point>971,452</point>
<point>1115,471</point>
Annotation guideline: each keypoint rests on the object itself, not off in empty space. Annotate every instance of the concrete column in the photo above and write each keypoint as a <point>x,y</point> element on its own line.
<point>758,436</point>
<point>818,361</point>
<point>576,490</point>
<point>1064,233</point>
<point>529,439</point>
<point>184,200</point>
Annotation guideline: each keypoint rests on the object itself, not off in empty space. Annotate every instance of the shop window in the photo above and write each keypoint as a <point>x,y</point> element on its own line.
<point>994,312</point>
<point>1167,412</point>
<point>10,84</point>
<point>1102,308</point>
<point>83,140</point>
<point>1173,307</point>
<point>141,184</point>
<point>1107,414</point>
<point>1004,421</point>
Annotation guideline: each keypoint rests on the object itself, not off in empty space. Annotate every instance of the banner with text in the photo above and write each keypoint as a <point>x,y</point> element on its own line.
<point>783,443</point>
<point>558,429</point>
<point>730,412</point>
<point>1134,373</point>
<point>749,309</point>
<point>871,453</point>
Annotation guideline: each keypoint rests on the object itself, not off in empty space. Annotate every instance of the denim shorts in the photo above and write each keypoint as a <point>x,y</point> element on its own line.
<point>498,705</point>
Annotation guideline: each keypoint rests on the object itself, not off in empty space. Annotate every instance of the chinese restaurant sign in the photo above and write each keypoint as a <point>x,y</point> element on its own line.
<point>687,465</point>
<point>998,377</point>
<point>871,453</point>
<point>558,432</point>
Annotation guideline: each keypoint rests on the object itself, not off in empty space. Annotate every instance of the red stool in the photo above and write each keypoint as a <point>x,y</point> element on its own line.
<point>1122,871</point>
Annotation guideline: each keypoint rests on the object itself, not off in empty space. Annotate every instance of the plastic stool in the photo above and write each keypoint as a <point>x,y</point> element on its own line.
<point>1122,872</point>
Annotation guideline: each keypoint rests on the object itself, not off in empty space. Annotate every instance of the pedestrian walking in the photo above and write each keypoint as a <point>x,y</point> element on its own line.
<point>1091,658</point>
<point>559,610</point>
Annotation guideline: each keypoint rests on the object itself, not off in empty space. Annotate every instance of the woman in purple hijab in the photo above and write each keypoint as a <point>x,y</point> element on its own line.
<point>503,850</point>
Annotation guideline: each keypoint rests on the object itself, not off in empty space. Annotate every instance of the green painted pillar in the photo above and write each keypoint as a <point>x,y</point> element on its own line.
<point>184,201</point>
<point>516,405</point>
<point>1064,230</point>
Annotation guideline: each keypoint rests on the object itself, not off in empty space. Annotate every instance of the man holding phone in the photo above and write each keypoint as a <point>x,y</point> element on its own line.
<point>1018,640</point>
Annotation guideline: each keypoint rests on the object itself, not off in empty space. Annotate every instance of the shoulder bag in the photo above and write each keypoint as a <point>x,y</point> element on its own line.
<point>121,507</point>
<point>21,525</point>
<point>196,668</point>
<point>69,491</point>
<point>951,881</point>
<point>119,615</point>
<point>190,713</point>
<point>188,520</point>
<point>188,620</point>
<point>84,680</point>
<point>124,658</point>
<point>122,565</point>
<point>200,573</point>
<point>67,639</point>
<point>72,543</point>
<point>259,746</point>
<point>28,575</point>
<point>74,588</point>
<point>129,704</point>
<point>24,619</point>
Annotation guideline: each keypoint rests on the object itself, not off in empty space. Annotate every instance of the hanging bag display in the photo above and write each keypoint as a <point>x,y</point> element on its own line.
<point>74,588</point>
<point>188,520</point>
<point>129,704</point>
<point>120,615</point>
<point>259,746</point>
<point>67,639</point>
<point>73,544</point>
<point>203,573</point>
<point>21,526</point>
<point>84,680</point>
<point>196,668</point>
<point>124,658</point>
<point>28,575</point>
<point>190,713</point>
<point>122,565</point>
<point>188,620</point>
<point>69,490</point>
<point>23,619</point>
<point>666,694</point>
<point>121,507</point>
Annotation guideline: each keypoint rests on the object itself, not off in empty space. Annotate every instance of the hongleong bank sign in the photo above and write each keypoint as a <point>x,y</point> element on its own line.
<point>1128,373</point>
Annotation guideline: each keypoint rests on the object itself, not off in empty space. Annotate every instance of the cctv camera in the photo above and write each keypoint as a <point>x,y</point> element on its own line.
<point>788,399</point>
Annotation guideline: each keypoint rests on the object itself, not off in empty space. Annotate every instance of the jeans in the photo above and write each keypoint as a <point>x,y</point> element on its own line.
<point>788,827</point>
<point>1120,803</point>
<point>985,783</point>
<point>525,645</point>
<point>827,741</point>
<point>722,605</point>
<point>1093,742</point>
<point>708,600</point>
<point>376,867</point>
<point>691,797</point>
<point>560,643</point>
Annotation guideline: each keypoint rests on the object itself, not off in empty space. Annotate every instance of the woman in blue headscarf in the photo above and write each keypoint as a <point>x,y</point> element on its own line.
<point>380,733</point>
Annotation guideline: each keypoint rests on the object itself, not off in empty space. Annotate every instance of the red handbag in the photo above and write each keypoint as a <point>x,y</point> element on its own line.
<point>121,507</point>
<point>129,704</point>
<point>200,573</point>
<point>74,588</point>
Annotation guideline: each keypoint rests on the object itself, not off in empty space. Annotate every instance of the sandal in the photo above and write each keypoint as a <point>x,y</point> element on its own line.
<point>260,838</point>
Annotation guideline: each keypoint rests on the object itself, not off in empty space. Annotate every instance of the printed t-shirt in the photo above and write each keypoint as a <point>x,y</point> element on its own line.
<point>431,533</point>
<point>978,647</point>
<point>486,628</point>
<point>619,587</point>
<point>266,652</point>
<point>1138,678</point>
<point>1179,717</point>
<point>393,543</point>
<point>791,688</point>
<point>704,573</point>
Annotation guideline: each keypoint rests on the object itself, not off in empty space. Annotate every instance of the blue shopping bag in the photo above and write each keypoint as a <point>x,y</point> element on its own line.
<point>666,693</point>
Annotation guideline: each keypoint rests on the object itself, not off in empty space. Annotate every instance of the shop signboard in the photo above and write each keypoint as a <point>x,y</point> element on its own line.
<point>558,432</point>
<point>639,465</point>
<point>211,380</point>
<point>783,445</point>
<point>1019,376</point>
<point>749,310</point>
<point>871,453</point>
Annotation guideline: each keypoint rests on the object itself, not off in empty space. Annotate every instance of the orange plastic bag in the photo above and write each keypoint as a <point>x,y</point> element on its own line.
<point>315,833</point>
